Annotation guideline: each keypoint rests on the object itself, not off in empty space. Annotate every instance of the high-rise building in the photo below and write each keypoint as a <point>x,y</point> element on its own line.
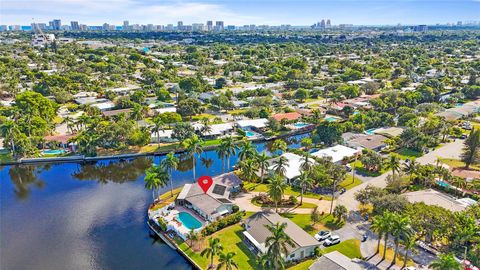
<point>329,24</point>
<point>3,28</point>
<point>169,27</point>
<point>459,23</point>
<point>125,26</point>
<point>219,26</point>
<point>420,28</point>
<point>322,24</point>
<point>179,25</point>
<point>106,27</point>
<point>75,26</point>
<point>198,27</point>
<point>55,24</point>
<point>209,25</point>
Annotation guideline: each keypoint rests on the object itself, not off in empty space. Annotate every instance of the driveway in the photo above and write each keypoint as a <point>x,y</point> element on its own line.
<point>450,150</point>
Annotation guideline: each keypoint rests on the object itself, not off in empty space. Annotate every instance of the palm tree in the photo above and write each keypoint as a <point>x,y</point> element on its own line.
<point>380,227</point>
<point>264,261</point>
<point>446,262</point>
<point>307,162</point>
<point>230,149</point>
<point>262,162</point>
<point>192,236</point>
<point>276,244</point>
<point>248,168</point>
<point>460,183</point>
<point>222,153</point>
<point>193,146</point>
<point>69,122</point>
<point>276,189</point>
<point>304,182</point>
<point>409,243</point>
<point>226,260</point>
<point>155,177</point>
<point>9,130</point>
<point>206,127</point>
<point>340,212</point>
<point>279,145</point>
<point>388,221</point>
<point>157,127</point>
<point>213,249</point>
<point>247,150</point>
<point>170,163</point>
<point>83,120</point>
<point>280,165</point>
<point>394,163</point>
<point>87,143</point>
<point>400,229</point>
<point>411,167</point>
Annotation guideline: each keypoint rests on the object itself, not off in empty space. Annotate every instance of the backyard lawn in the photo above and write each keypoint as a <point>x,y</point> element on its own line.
<point>349,248</point>
<point>456,163</point>
<point>408,153</point>
<point>348,183</point>
<point>389,256</point>
<point>304,221</point>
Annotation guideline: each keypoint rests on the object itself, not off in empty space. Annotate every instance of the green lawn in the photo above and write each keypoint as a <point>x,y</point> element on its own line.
<point>362,171</point>
<point>349,248</point>
<point>456,163</point>
<point>303,265</point>
<point>304,205</point>
<point>408,153</point>
<point>304,221</point>
<point>348,183</point>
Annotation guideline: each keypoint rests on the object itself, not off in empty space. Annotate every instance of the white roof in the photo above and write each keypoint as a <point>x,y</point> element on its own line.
<point>104,105</point>
<point>257,123</point>
<point>166,109</point>
<point>337,152</point>
<point>216,129</point>
<point>163,134</point>
<point>293,166</point>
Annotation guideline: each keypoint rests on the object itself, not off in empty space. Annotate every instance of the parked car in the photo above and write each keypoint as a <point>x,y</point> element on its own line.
<point>410,268</point>
<point>348,167</point>
<point>322,235</point>
<point>332,240</point>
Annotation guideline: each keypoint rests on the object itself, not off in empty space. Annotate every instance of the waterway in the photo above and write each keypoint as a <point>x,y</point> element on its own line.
<point>89,216</point>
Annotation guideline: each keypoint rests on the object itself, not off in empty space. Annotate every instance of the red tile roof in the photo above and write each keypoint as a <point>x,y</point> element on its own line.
<point>59,138</point>
<point>289,116</point>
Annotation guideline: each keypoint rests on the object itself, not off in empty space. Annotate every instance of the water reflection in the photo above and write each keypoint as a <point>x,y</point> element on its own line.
<point>117,171</point>
<point>25,177</point>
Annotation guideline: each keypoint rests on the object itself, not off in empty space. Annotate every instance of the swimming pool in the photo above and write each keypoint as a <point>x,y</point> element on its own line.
<point>53,151</point>
<point>370,131</point>
<point>249,134</point>
<point>300,125</point>
<point>331,119</point>
<point>189,221</point>
<point>443,184</point>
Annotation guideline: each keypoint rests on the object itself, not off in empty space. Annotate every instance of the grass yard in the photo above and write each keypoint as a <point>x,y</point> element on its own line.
<point>304,205</point>
<point>304,221</point>
<point>456,163</point>
<point>303,265</point>
<point>348,183</point>
<point>408,153</point>
<point>349,248</point>
<point>167,198</point>
<point>389,256</point>
<point>362,171</point>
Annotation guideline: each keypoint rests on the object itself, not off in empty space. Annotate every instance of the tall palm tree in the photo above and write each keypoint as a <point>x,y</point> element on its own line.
<point>380,227</point>
<point>226,261</point>
<point>277,243</point>
<point>262,163</point>
<point>230,148</point>
<point>155,177</point>
<point>9,130</point>
<point>247,150</point>
<point>304,181</point>
<point>193,145</point>
<point>264,261</point>
<point>276,189</point>
<point>411,167</point>
<point>307,162</point>
<point>280,165</point>
<point>408,243</point>
<point>248,168</point>
<point>446,262</point>
<point>388,220</point>
<point>157,127</point>
<point>222,153</point>
<point>279,145</point>
<point>170,163</point>
<point>192,236</point>
<point>400,229</point>
<point>206,126</point>
<point>213,249</point>
<point>394,163</point>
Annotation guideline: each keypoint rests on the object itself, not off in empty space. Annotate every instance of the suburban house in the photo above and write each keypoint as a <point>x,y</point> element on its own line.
<point>213,204</point>
<point>216,130</point>
<point>433,197</point>
<point>337,153</point>
<point>252,124</point>
<point>291,116</point>
<point>293,168</point>
<point>256,233</point>
<point>374,142</point>
<point>335,261</point>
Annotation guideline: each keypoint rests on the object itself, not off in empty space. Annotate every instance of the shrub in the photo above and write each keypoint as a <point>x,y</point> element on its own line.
<point>235,208</point>
<point>162,224</point>
<point>222,223</point>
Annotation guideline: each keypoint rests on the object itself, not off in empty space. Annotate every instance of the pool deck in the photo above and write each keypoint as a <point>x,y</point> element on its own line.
<point>171,219</point>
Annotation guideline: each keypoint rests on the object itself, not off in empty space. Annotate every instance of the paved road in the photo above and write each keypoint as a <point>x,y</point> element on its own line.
<point>449,150</point>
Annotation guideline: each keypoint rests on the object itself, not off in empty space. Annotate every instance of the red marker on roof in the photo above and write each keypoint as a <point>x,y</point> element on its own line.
<point>205,182</point>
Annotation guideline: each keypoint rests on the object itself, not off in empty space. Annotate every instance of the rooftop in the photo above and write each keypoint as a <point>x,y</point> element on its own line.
<point>334,261</point>
<point>289,116</point>
<point>433,197</point>
<point>337,152</point>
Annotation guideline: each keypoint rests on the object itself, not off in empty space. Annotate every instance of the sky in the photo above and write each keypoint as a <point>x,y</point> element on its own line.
<point>240,12</point>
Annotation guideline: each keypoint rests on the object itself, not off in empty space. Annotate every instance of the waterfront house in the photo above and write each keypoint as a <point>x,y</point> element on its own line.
<point>291,116</point>
<point>214,203</point>
<point>293,168</point>
<point>256,233</point>
<point>374,142</point>
<point>253,124</point>
<point>337,153</point>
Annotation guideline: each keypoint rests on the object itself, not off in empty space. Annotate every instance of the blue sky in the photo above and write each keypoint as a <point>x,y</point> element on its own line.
<point>273,12</point>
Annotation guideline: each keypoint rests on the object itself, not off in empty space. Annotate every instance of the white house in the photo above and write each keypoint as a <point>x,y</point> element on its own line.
<point>292,169</point>
<point>337,153</point>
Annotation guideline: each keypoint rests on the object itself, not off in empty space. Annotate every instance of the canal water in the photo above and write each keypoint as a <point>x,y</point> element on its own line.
<point>89,216</point>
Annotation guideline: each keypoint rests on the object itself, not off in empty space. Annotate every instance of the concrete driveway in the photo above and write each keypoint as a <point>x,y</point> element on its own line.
<point>450,150</point>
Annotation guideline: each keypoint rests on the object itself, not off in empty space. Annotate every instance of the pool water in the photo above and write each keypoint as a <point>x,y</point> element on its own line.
<point>249,134</point>
<point>443,184</point>
<point>53,151</point>
<point>189,221</point>
<point>300,124</point>
<point>370,131</point>
<point>331,119</point>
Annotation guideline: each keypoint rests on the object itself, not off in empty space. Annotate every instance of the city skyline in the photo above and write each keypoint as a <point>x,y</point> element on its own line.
<point>377,12</point>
